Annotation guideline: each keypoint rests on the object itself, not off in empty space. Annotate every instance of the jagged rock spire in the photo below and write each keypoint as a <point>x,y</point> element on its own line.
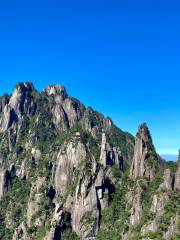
<point>177,179</point>
<point>110,155</point>
<point>20,103</point>
<point>20,99</point>
<point>145,158</point>
<point>58,91</point>
<point>103,155</point>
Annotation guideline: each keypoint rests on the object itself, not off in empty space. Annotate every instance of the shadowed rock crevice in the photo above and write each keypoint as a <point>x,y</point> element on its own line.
<point>51,193</point>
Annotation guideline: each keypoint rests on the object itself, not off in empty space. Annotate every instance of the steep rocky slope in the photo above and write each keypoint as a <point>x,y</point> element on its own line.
<point>67,172</point>
<point>146,204</point>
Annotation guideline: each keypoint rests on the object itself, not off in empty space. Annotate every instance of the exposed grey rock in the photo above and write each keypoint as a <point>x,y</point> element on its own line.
<point>177,179</point>
<point>20,103</point>
<point>4,100</point>
<point>58,91</point>
<point>8,117</point>
<point>110,155</point>
<point>167,184</point>
<point>90,120</point>
<point>74,110</point>
<point>60,118</point>
<point>50,234</point>
<point>150,227</point>
<point>96,123</point>
<point>21,170</point>
<point>20,232</point>
<point>68,161</point>
<point>89,202</point>
<point>81,187</point>
<point>35,200</point>
<point>158,203</point>
<point>145,160</point>
<point>107,124</point>
<point>104,147</point>
<point>66,111</point>
<point>56,222</point>
<point>4,177</point>
<point>136,210</point>
<point>36,154</point>
<point>173,228</point>
<point>86,206</point>
<point>21,99</point>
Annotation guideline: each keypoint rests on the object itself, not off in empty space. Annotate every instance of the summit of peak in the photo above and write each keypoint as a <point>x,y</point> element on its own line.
<point>56,89</point>
<point>28,86</point>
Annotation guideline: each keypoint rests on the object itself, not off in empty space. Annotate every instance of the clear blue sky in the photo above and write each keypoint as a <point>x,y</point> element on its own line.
<point>120,57</point>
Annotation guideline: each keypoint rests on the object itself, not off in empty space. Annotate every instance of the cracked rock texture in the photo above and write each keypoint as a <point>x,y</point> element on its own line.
<point>145,159</point>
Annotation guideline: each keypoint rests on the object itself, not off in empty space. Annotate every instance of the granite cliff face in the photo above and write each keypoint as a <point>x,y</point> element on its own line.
<point>145,160</point>
<point>64,173</point>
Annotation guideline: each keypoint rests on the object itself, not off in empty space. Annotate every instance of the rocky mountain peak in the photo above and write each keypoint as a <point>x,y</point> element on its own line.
<point>56,90</point>
<point>21,93</point>
<point>24,86</point>
<point>145,159</point>
<point>19,104</point>
<point>4,101</point>
<point>144,133</point>
<point>63,173</point>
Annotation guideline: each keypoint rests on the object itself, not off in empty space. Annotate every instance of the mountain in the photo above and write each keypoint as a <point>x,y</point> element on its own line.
<point>169,157</point>
<point>67,172</point>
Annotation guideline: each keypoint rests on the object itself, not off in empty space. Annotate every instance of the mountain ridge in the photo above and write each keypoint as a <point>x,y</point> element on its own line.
<point>67,172</point>
<point>170,157</point>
